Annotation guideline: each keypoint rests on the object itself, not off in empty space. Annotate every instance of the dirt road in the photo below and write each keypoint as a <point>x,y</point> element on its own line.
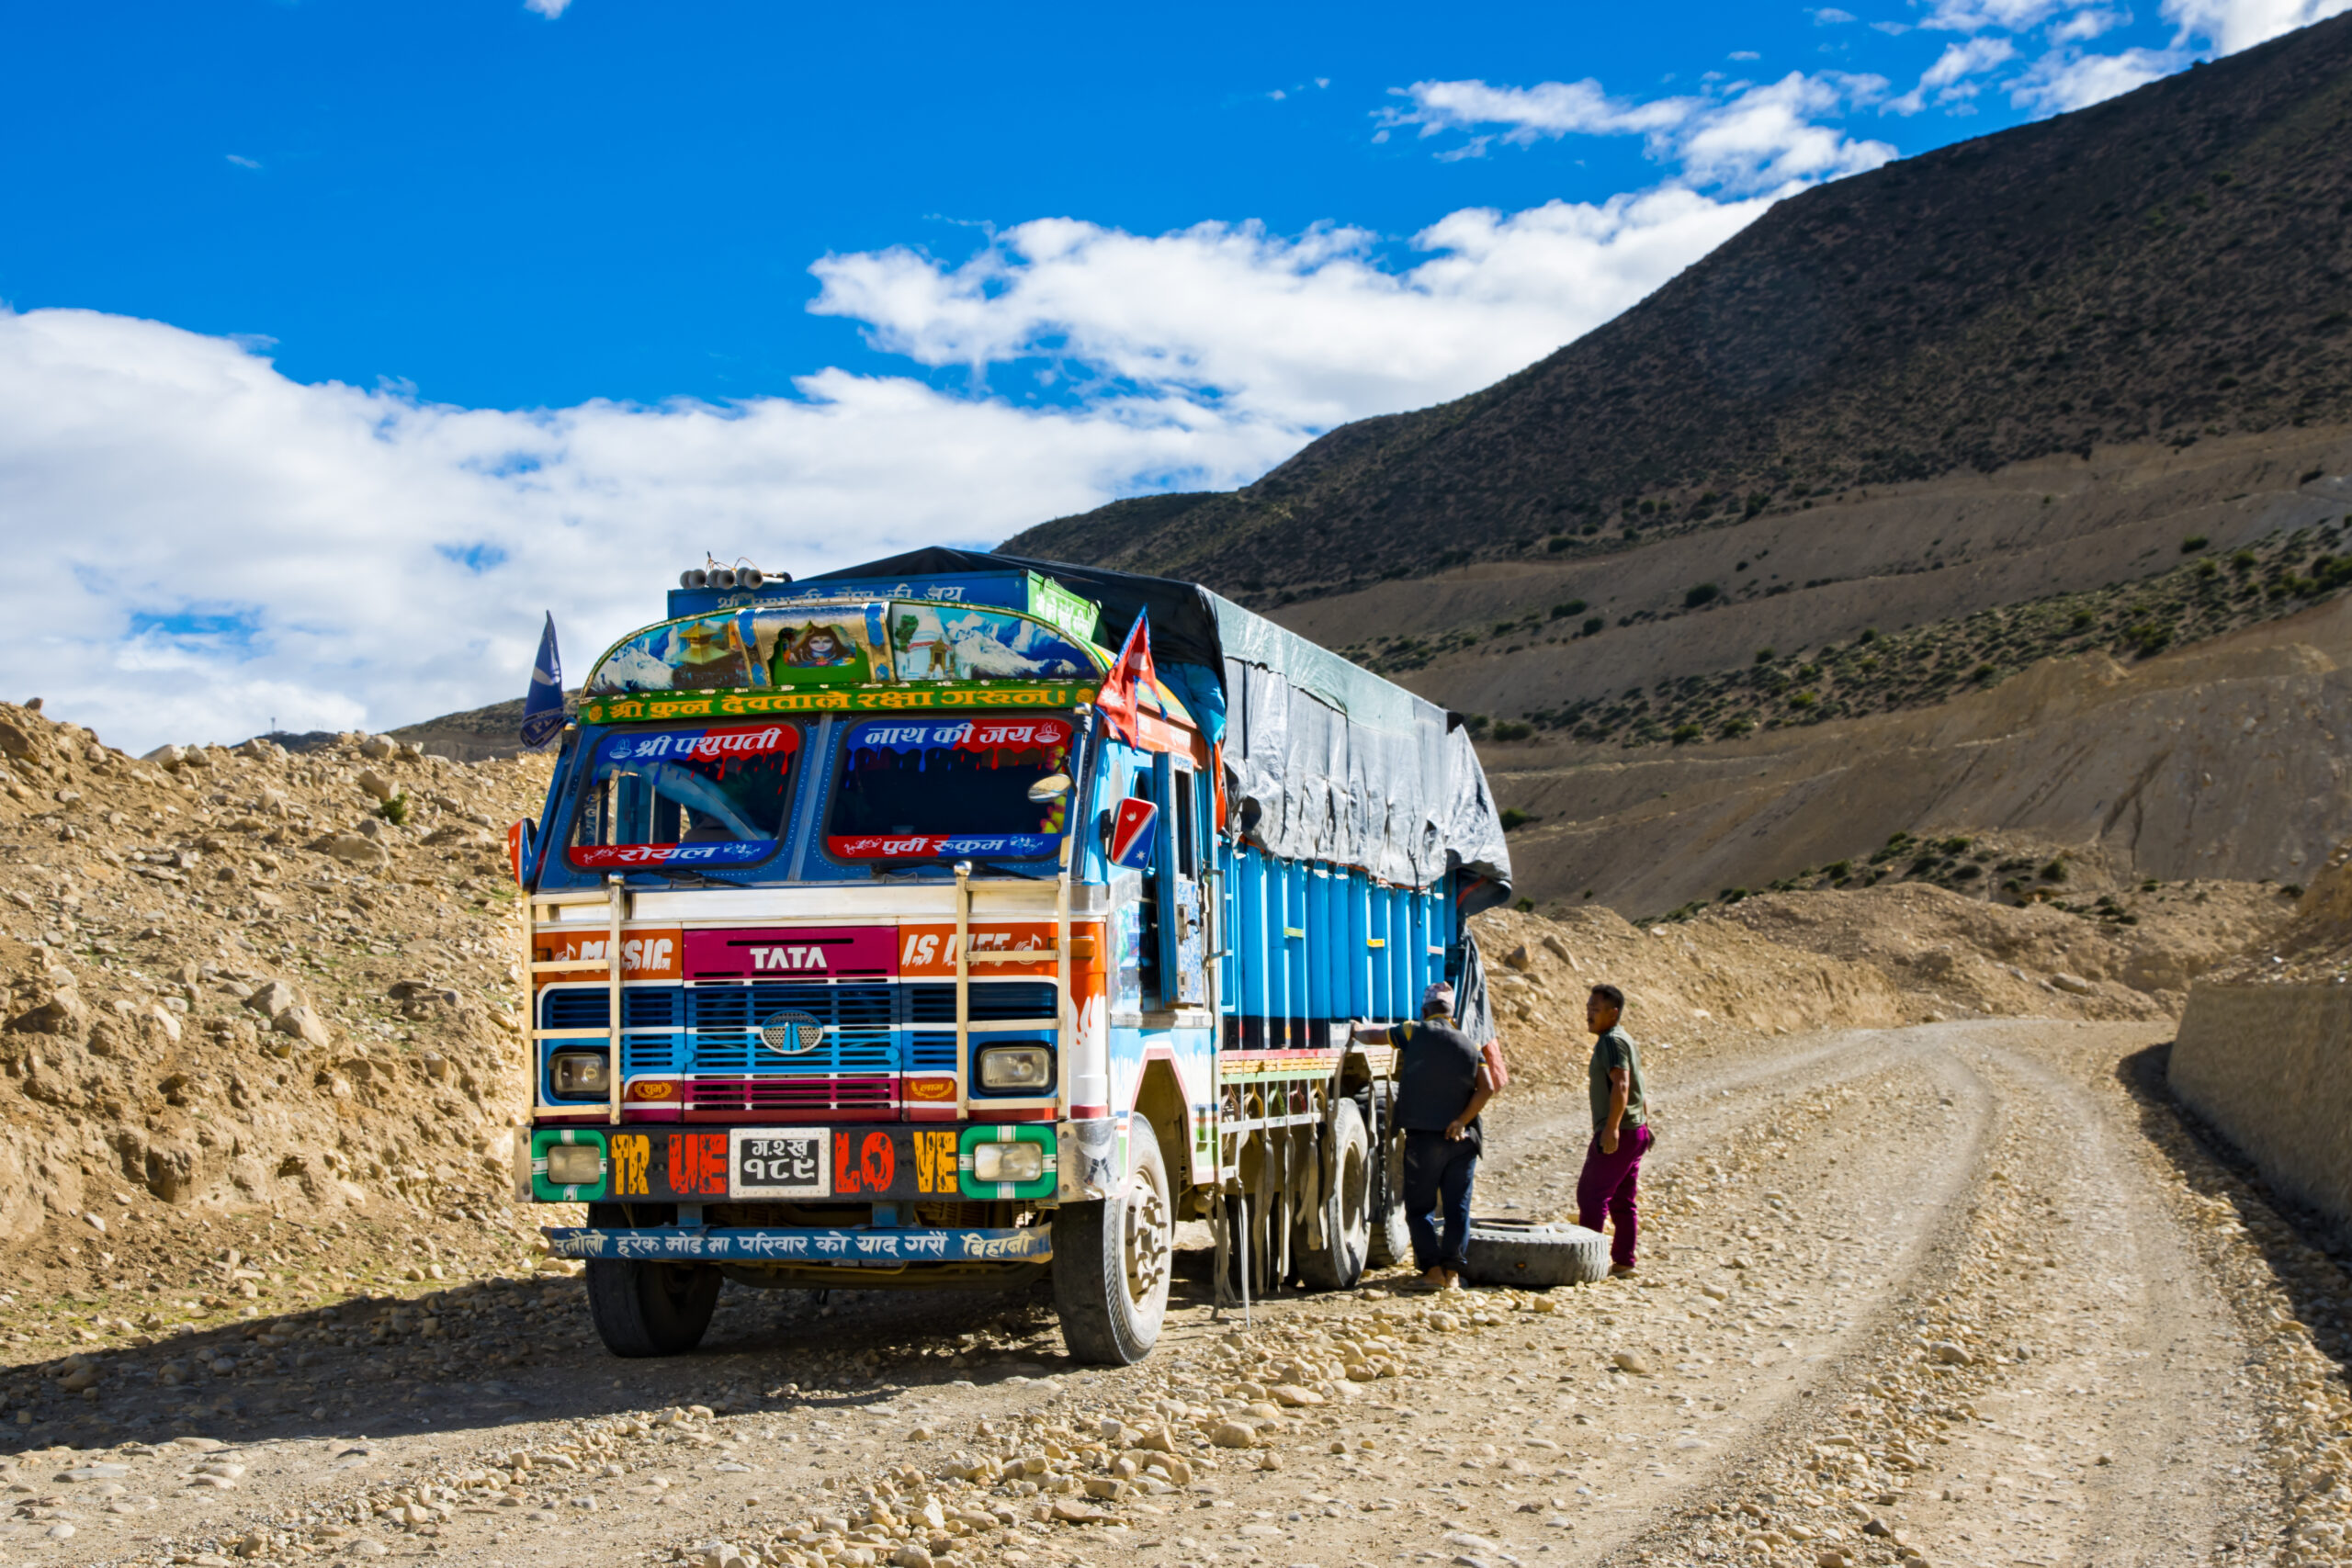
<point>1963,1293</point>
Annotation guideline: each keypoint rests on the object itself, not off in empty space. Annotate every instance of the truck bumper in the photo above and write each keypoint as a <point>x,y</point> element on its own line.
<point>858,1248</point>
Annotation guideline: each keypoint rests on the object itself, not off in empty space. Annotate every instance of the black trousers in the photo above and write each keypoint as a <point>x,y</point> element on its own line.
<point>1438,1175</point>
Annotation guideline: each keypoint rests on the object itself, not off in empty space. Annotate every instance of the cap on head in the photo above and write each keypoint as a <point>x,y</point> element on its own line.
<point>1439,996</point>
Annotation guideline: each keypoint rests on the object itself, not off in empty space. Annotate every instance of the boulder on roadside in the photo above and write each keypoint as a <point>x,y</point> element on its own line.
<point>59,1011</point>
<point>273,997</point>
<point>352,849</point>
<point>377,784</point>
<point>376,748</point>
<point>302,1023</point>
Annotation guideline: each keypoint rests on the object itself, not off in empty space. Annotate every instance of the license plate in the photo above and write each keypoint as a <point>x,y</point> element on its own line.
<point>778,1162</point>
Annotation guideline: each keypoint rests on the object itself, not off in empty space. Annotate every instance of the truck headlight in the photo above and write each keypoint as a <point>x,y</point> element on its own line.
<point>1017,1067</point>
<point>1008,1162</point>
<point>575,1165</point>
<point>581,1073</point>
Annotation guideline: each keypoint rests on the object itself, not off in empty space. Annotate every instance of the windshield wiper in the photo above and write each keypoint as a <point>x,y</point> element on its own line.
<point>1013,871</point>
<point>699,877</point>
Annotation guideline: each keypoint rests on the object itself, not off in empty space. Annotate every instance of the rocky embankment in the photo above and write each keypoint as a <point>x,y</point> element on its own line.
<point>246,988</point>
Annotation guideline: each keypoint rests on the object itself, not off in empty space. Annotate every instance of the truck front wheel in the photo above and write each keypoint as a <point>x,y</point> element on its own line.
<point>650,1309</point>
<point>1111,1261</point>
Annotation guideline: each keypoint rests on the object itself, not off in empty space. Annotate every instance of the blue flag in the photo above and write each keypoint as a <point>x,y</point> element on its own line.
<point>543,706</point>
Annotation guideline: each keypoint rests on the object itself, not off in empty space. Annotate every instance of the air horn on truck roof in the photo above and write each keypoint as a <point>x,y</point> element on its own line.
<point>743,574</point>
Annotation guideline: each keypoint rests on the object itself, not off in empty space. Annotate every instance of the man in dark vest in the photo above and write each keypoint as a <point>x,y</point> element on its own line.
<point>1443,1083</point>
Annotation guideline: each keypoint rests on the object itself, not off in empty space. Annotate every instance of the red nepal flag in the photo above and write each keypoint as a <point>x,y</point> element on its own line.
<point>1117,699</point>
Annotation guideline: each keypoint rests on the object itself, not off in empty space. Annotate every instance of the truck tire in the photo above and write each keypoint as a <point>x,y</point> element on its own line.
<point>1346,1209</point>
<point>1111,1262</point>
<point>1392,1242</point>
<point>650,1309</point>
<point>1530,1254</point>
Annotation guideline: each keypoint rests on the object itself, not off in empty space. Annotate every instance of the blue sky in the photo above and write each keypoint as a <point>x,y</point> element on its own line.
<point>508,209</point>
<point>339,340</point>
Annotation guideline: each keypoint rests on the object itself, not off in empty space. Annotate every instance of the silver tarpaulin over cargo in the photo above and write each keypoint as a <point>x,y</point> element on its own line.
<point>1324,760</point>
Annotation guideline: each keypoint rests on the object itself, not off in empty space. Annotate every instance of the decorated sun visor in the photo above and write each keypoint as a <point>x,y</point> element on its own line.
<point>958,642</point>
<point>781,647</point>
<point>802,645</point>
<point>686,797</point>
<point>916,790</point>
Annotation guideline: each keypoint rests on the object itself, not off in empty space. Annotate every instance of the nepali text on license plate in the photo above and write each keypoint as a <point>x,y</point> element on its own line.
<point>773,1162</point>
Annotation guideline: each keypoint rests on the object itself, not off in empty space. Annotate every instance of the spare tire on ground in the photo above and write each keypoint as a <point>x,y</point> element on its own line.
<point>1531,1254</point>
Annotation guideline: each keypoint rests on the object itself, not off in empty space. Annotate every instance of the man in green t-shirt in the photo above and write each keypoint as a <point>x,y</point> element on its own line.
<point>1621,1132</point>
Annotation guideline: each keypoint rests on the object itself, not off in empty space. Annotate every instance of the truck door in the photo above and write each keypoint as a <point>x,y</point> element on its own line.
<point>1183,910</point>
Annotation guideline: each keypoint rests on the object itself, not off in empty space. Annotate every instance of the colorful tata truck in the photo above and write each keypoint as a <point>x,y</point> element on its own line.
<point>959,920</point>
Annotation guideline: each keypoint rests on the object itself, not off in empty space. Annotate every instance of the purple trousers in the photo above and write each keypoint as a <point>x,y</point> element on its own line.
<point>1608,1186</point>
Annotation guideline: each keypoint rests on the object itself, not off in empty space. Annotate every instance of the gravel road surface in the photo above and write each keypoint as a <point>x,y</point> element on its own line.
<point>1961,1293</point>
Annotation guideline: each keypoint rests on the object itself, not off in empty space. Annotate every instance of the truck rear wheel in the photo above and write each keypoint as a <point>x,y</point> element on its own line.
<point>1392,1243</point>
<point>1111,1262</point>
<point>650,1309</point>
<point>1346,1209</point>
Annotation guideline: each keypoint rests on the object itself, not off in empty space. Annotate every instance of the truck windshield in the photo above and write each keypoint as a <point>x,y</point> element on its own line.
<point>708,797</point>
<point>927,789</point>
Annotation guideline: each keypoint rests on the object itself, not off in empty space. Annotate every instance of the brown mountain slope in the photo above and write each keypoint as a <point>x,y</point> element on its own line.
<point>2165,266</point>
<point>2225,760</point>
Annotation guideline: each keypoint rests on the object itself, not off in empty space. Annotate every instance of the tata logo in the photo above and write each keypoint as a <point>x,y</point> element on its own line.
<point>791,1032</point>
<point>787,958</point>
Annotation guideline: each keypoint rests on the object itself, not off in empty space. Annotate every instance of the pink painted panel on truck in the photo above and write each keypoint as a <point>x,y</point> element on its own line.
<point>797,952</point>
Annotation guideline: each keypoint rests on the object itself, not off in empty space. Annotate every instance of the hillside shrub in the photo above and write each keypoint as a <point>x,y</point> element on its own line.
<point>1702,593</point>
<point>1511,729</point>
<point>1595,626</point>
<point>2194,543</point>
<point>1573,607</point>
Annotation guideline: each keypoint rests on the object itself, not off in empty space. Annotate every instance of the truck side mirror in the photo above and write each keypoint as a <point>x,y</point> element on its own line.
<point>1053,786</point>
<point>1134,836</point>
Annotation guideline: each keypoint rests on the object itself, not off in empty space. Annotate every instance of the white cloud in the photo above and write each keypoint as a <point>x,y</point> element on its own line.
<point>199,543</point>
<point>1831,16</point>
<point>1305,331</point>
<point>1759,137</point>
<point>2066,78</point>
<point>2063,79</point>
<point>2234,25</point>
<point>1547,109</point>
<point>242,162</point>
<point>1975,16</point>
<point>551,9</point>
<point>2084,25</point>
<point>1744,54</point>
<point>1947,79</point>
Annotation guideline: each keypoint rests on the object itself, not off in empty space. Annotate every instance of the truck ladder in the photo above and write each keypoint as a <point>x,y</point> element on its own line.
<point>965,958</point>
<point>615,897</point>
